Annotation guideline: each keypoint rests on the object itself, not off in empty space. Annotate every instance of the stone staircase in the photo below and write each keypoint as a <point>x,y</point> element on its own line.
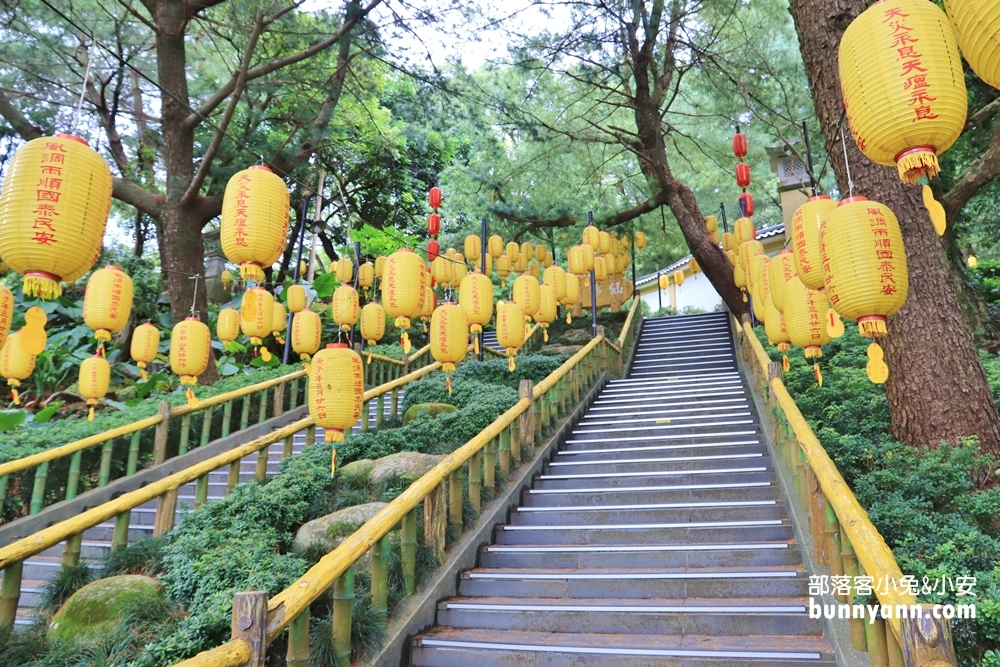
<point>42,568</point>
<point>655,536</point>
<point>490,341</point>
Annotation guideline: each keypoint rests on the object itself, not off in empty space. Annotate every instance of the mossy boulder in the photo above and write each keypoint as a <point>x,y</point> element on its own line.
<point>431,410</point>
<point>330,530</point>
<point>100,604</point>
<point>405,465</point>
<point>357,472</point>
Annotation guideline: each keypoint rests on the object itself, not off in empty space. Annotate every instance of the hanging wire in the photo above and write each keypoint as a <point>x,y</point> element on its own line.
<point>83,89</point>
<point>847,163</point>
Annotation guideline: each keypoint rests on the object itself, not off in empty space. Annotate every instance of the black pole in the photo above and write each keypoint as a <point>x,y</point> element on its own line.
<point>659,290</point>
<point>296,276</point>
<point>482,265</point>
<point>357,266</point>
<point>725,223</point>
<point>593,288</point>
<point>635,288</point>
<point>809,157</point>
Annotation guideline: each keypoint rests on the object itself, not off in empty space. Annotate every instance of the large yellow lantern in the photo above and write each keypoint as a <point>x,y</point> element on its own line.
<point>640,240</point>
<point>95,376</point>
<point>307,333</point>
<point>146,345</point>
<point>587,252</point>
<point>473,248</point>
<point>345,270</point>
<point>758,265</point>
<point>254,220</point>
<point>256,316</point>
<point>296,298</point>
<point>746,252</point>
<point>513,252</point>
<point>403,290</point>
<point>373,323</point>
<point>525,294</point>
<point>510,329</point>
<point>279,320</point>
<point>107,303</point>
<point>6,313</point>
<point>449,337</point>
<point>336,392</point>
<point>744,230</point>
<point>571,296</point>
<point>475,296</point>
<point>779,271</point>
<point>555,275</point>
<point>904,89</point>
<point>975,23</point>
<point>592,236</point>
<point>805,319</point>
<point>190,346</point>
<point>16,365</point>
<point>458,269</point>
<point>547,304</point>
<point>776,329</point>
<point>53,210</point>
<point>806,223</point>
<point>345,307</point>
<point>678,277</point>
<point>227,327</point>
<point>494,245</point>
<point>503,269</point>
<point>366,276</point>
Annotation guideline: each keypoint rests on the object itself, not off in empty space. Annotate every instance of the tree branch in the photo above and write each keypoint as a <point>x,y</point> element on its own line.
<point>24,127</point>
<point>647,206</point>
<point>192,7</point>
<point>138,196</point>
<point>979,174</point>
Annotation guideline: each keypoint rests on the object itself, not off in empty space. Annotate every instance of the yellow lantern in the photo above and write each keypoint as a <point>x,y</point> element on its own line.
<point>254,220</point>
<point>475,296</point>
<point>458,269</point>
<point>441,270</point>
<point>427,306</point>
<point>146,345</point>
<point>226,277</point>
<point>744,230</point>
<point>758,268</point>
<point>975,22</point>
<point>776,329</point>
<point>663,281</point>
<point>494,245</point>
<point>711,223</point>
<point>190,347</point>
<point>503,269</point>
<point>95,376</point>
<point>449,337</point>
<point>307,332</point>
<point>403,290</point>
<point>379,267</point>
<point>535,270</point>
<point>345,270</point>
<point>53,210</point>
<point>513,252</point>
<point>256,316</point>
<point>279,318</point>
<point>540,252</point>
<point>865,265</point>
<point>571,296</point>
<point>510,329</point>
<point>694,266</point>
<point>345,307</point>
<point>556,276</point>
<point>488,261</point>
<point>366,276</point>
<point>227,327</point>
<point>587,251</point>
<point>373,322</point>
<point>611,264</point>
<point>473,248</point>
<point>3,270</point>
<point>547,304</point>
<point>525,294</point>
<point>336,392</point>
<point>715,237</point>
<point>303,268</point>
<point>527,253</point>
<point>296,298</point>
<point>592,236</point>
<point>450,252</point>
<point>15,364</point>
<point>600,268</point>
<point>746,252</point>
<point>727,241</point>
<point>779,271</point>
<point>640,240</point>
<point>805,319</point>
<point>6,313</point>
<point>577,262</point>
<point>604,242</point>
<point>904,89</point>
<point>806,223</point>
<point>678,277</point>
<point>107,303</point>
<point>740,277</point>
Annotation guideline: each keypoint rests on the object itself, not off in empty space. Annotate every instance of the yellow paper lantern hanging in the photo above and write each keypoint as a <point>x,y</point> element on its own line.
<point>744,230</point>
<point>16,365</point>
<point>779,271</point>
<point>95,376</point>
<point>727,242</point>
<point>587,252</point>
<point>547,304</point>
<point>555,275</point>
<point>345,270</point>
<point>611,264</point>
<point>296,298</point>
<point>591,236</point>
<point>534,270</point>
<point>904,89</point>
<point>366,276</point>
<point>577,262</point>
<point>146,345</point>
<point>805,319</point>
<point>379,266</point>
<point>475,296</point>
<point>458,270</point>
<point>449,337</point>
<point>227,327</point>
<point>540,252</point>
<point>600,268</point>
<point>695,268</point>
<point>678,277</point>
<point>711,223</point>
<point>758,266</point>
<point>739,276</point>
<point>510,329</point>
<point>307,333</point>
<point>806,223</point>
<point>254,220</point>
<point>403,290</point>
<point>526,255</point>
<point>513,252</point>
<point>525,294</point>
<point>441,270</point>
<point>345,307</point>
<point>450,252</point>
<point>373,324</point>
<point>663,281</point>
<point>427,306</point>
<point>775,327</point>
<point>53,211</point>
<point>227,278</point>
<point>6,313</point>
<point>604,242</point>
<point>571,296</point>
<point>494,246</point>
<point>473,248</point>
<point>640,240</point>
<point>488,262</point>
<point>190,348</point>
<point>279,320</point>
<point>336,392</point>
<point>256,316</point>
<point>975,23</point>
<point>503,269</point>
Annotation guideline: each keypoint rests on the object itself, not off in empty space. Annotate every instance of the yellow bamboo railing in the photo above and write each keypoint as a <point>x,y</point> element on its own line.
<point>535,414</point>
<point>844,538</point>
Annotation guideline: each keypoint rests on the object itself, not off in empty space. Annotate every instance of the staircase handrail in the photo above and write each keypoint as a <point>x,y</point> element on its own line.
<point>840,524</point>
<point>546,401</point>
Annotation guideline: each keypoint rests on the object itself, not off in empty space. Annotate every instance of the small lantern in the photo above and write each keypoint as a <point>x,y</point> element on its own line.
<point>227,278</point>
<point>366,276</point>
<point>510,329</point>
<point>513,252</point>
<point>527,253</point>
<point>540,253</point>
<point>571,296</point>
<point>345,270</point>
<point>740,145</point>
<point>711,223</point>
<point>556,276</point>
<point>434,197</point>
<point>604,242</point>
<point>458,269</point>
<point>95,376</point>
<point>373,324</point>
<point>279,319</point>
<point>503,269</point>
<point>296,297</point>
<point>695,268</point>
<point>403,290</point>
<point>345,307</point>
<point>592,236</point>
<point>727,241</point>
<point>577,262</point>
<point>473,248</point>
<point>433,250</point>
<point>678,277</point>
<point>745,202</point>
<point>434,224</point>
<point>380,266</point>
<point>254,220</point>
<point>600,268</point>
<point>427,306</point>
<point>547,304</point>
<point>145,346</point>
<point>441,270</point>
<point>307,333</point>
<point>663,281</point>
<point>806,224</point>
<point>494,245</point>
<point>107,302</point>
<point>776,329</point>
<point>190,347</point>
<point>256,316</point>
<point>475,296</point>
<point>743,175</point>
<point>525,295</point>
<point>336,392</point>
<point>16,364</point>
<point>640,240</point>
<point>227,327</point>
<point>449,337</point>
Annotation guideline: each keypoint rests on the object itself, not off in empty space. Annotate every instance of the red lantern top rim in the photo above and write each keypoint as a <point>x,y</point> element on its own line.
<point>851,200</point>
<point>261,167</point>
<point>331,346</point>
<point>818,197</point>
<point>448,303</point>
<point>914,149</point>
<point>191,319</point>
<point>72,137</point>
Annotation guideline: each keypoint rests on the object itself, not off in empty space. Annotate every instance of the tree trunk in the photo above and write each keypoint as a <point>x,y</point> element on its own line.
<point>937,388</point>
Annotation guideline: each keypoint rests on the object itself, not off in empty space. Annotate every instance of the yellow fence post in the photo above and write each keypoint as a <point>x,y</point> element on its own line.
<point>250,624</point>
<point>526,423</point>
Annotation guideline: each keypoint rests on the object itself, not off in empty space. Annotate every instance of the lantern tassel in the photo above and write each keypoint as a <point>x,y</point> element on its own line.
<point>191,398</point>
<point>819,376</point>
<point>510,364</point>
<point>333,461</point>
<point>745,297</point>
<point>42,288</point>
<point>475,344</point>
<point>404,340</point>
<point>251,272</point>
<point>447,385</point>
<point>569,317</point>
<point>333,435</point>
<point>918,166</point>
<point>369,357</point>
<point>17,397</point>
<point>90,414</point>
<point>142,371</point>
<point>872,327</point>
<point>936,211</point>
<point>545,335</point>
<point>784,362</point>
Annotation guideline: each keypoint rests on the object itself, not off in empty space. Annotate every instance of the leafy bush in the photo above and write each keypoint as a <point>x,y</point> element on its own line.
<point>934,507</point>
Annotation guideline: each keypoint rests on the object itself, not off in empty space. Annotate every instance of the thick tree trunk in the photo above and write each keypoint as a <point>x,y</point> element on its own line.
<point>937,388</point>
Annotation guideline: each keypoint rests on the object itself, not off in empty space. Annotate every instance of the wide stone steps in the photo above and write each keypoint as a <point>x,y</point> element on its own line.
<point>656,535</point>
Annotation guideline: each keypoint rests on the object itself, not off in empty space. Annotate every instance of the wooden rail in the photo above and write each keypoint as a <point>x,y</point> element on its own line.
<point>844,538</point>
<point>498,446</point>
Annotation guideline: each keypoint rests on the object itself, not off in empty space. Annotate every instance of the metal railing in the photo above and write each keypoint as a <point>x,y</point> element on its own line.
<point>844,539</point>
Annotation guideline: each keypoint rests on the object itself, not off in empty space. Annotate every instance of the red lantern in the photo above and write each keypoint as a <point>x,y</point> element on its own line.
<point>746,203</point>
<point>433,224</point>
<point>433,249</point>
<point>740,144</point>
<point>435,198</point>
<point>743,175</point>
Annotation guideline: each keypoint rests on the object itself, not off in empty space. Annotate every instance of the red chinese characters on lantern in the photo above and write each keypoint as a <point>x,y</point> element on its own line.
<point>912,71</point>
<point>883,251</point>
<point>242,203</point>
<point>48,191</point>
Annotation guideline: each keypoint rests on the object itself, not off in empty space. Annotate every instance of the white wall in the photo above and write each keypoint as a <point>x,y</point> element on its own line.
<point>696,292</point>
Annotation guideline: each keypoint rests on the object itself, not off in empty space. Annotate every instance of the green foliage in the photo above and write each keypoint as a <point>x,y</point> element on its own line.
<point>985,282</point>
<point>141,557</point>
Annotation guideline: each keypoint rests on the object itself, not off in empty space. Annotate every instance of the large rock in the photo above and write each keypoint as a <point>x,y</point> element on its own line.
<point>568,350</point>
<point>577,336</point>
<point>97,606</point>
<point>330,530</point>
<point>431,410</point>
<point>357,471</point>
<point>408,465</point>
